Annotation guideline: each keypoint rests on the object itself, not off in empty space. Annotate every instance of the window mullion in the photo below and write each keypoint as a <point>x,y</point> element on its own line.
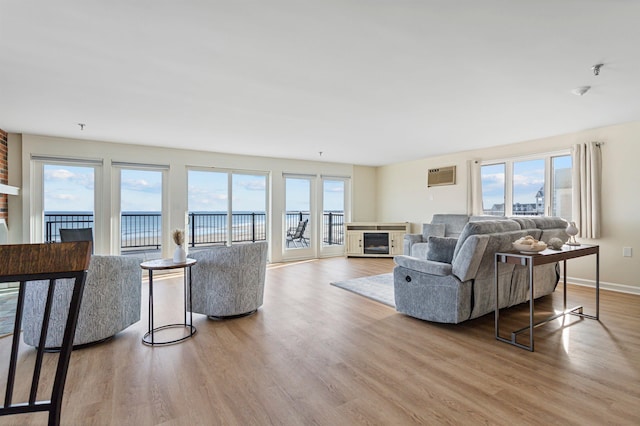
<point>548,193</point>
<point>508,190</point>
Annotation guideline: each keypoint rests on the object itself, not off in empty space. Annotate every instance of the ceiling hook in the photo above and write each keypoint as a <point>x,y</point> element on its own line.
<point>596,69</point>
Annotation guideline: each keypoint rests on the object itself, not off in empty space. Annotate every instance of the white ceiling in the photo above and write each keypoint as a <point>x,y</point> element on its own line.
<point>368,82</point>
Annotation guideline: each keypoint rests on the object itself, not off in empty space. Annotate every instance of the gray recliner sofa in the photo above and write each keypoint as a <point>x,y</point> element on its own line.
<point>442,225</point>
<point>111,302</point>
<point>455,282</point>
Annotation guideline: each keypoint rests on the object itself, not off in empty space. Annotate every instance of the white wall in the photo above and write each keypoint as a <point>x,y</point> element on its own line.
<point>364,194</point>
<point>403,196</point>
<point>22,147</point>
<point>395,193</point>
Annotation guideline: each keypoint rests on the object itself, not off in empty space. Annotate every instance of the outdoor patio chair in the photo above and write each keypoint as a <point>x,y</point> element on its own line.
<point>296,236</point>
<point>76,234</point>
<point>42,265</point>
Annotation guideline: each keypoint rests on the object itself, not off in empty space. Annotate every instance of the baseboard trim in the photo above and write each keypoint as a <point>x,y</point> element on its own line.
<point>621,288</point>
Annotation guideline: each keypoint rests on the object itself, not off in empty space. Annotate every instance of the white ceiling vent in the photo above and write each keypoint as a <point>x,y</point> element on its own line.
<point>442,176</point>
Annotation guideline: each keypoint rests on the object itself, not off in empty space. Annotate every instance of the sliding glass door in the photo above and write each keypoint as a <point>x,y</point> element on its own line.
<point>298,219</point>
<point>334,210</point>
<point>141,212</point>
<point>226,207</point>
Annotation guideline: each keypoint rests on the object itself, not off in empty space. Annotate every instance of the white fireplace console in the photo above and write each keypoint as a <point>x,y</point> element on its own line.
<point>374,239</point>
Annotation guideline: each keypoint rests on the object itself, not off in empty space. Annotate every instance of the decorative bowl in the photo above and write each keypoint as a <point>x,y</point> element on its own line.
<point>530,248</point>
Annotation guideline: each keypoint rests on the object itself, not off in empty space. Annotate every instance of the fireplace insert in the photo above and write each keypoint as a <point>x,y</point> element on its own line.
<point>376,243</point>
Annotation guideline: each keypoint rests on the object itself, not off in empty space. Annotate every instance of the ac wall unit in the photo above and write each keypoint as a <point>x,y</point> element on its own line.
<point>441,176</point>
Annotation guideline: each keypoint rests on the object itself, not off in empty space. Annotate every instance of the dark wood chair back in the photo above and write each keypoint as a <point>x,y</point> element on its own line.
<point>43,262</point>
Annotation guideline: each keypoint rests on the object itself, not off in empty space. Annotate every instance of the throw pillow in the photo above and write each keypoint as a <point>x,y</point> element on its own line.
<point>432,230</point>
<point>441,249</point>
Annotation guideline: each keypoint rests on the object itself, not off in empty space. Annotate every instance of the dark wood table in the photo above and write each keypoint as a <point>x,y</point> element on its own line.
<point>164,264</point>
<point>542,258</point>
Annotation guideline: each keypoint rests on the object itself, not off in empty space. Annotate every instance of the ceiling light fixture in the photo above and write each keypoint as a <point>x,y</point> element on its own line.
<point>579,91</point>
<point>596,69</point>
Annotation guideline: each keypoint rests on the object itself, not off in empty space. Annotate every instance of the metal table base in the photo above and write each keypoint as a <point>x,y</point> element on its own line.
<point>542,258</point>
<point>163,264</point>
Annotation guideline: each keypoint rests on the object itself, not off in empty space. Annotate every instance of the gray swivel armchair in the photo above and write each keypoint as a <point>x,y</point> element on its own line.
<point>228,281</point>
<point>111,302</point>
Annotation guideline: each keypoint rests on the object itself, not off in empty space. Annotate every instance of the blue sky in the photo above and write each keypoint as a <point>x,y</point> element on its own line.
<point>208,191</point>
<point>68,188</point>
<point>528,178</point>
<point>71,188</point>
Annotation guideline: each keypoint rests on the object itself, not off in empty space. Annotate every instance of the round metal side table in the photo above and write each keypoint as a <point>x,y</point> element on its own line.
<point>164,264</point>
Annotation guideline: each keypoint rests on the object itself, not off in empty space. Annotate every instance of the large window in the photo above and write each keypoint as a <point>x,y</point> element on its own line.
<point>493,189</point>
<point>68,198</point>
<point>528,188</point>
<point>538,186</point>
<point>333,206</point>
<point>65,193</point>
<point>298,213</point>
<point>561,187</point>
<point>141,211</point>
<point>226,206</point>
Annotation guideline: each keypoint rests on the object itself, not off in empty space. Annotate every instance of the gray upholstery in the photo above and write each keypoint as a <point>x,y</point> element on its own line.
<point>465,288</point>
<point>110,303</point>
<point>453,223</point>
<point>441,249</point>
<point>417,244</point>
<point>432,230</point>
<point>229,280</point>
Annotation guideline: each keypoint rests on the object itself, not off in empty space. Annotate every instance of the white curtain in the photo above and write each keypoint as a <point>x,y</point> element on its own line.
<point>586,188</point>
<point>474,197</point>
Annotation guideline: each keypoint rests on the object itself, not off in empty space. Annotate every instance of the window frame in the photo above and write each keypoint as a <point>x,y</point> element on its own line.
<point>508,178</point>
<point>38,162</point>
<point>230,173</point>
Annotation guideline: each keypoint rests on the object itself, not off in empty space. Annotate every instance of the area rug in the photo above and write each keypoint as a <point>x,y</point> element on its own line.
<point>376,287</point>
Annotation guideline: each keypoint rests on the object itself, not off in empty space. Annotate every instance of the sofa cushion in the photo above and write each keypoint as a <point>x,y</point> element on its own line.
<point>479,218</point>
<point>441,249</point>
<point>485,227</point>
<point>432,230</point>
<point>549,222</point>
<point>525,222</point>
<point>453,223</point>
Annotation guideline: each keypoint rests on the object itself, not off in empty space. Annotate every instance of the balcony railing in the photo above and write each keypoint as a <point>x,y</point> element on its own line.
<point>144,230</point>
<point>332,225</point>
<point>211,228</point>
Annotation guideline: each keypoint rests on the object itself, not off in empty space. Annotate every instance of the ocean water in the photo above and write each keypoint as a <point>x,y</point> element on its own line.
<point>145,228</point>
<point>145,224</point>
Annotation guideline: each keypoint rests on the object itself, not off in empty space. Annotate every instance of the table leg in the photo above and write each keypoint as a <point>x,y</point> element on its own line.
<point>598,284</point>
<point>190,305</point>
<point>497,312</point>
<point>531,305</point>
<point>564,285</point>
<point>151,305</point>
<point>184,292</point>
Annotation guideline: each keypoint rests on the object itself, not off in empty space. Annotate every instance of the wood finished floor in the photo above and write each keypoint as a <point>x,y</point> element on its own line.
<point>317,354</point>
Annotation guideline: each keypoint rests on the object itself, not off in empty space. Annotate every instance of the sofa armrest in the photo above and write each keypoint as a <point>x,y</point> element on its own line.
<point>409,241</point>
<point>424,266</point>
<point>413,238</point>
